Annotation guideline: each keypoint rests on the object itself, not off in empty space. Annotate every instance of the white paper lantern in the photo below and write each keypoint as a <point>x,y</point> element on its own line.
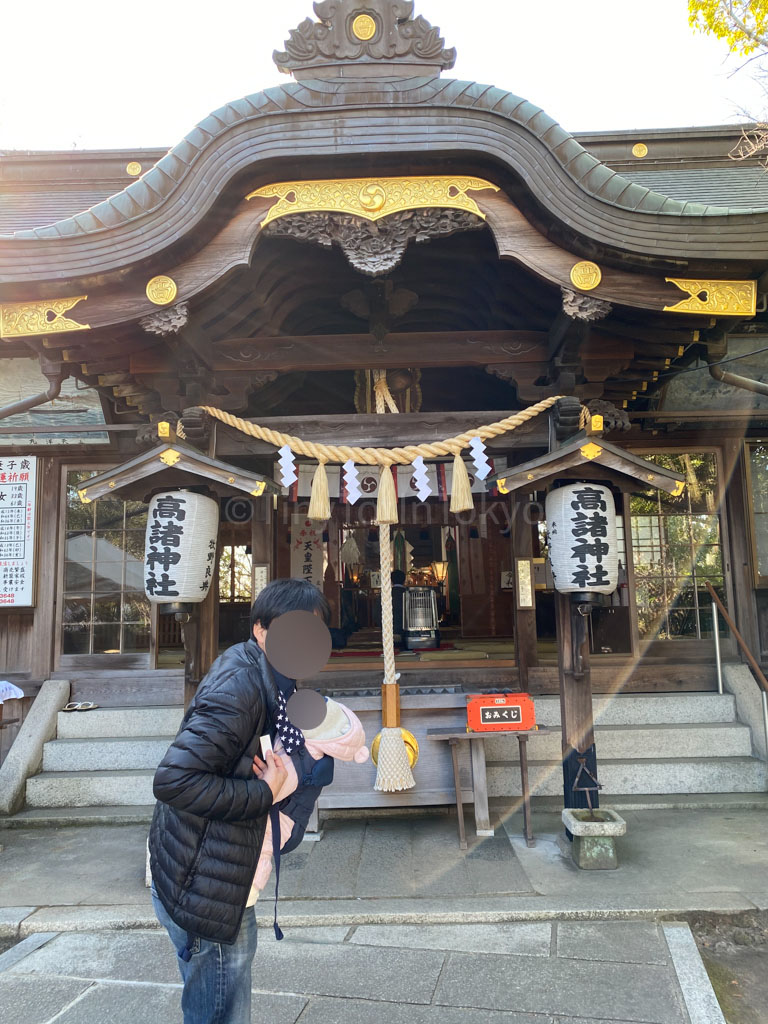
<point>180,547</point>
<point>583,551</point>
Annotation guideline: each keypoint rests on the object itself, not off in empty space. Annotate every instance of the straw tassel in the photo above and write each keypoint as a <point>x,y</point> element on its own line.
<point>319,501</point>
<point>386,507</point>
<point>461,489</point>
<point>393,770</point>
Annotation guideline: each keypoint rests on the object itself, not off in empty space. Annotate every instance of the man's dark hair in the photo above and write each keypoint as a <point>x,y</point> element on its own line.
<point>397,577</point>
<point>281,596</point>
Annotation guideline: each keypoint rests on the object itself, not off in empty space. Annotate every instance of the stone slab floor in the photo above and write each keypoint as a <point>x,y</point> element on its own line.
<point>574,972</point>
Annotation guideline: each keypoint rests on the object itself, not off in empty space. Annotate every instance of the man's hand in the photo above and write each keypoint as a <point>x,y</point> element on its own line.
<point>273,772</point>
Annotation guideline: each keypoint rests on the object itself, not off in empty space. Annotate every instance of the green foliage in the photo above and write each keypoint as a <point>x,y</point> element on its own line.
<point>743,24</point>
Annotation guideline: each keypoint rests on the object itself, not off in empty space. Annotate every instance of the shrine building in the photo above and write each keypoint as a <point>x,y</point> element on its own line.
<point>374,255</point>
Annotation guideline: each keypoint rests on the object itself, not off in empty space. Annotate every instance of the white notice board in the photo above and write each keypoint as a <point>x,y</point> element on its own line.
<point>18,491</point>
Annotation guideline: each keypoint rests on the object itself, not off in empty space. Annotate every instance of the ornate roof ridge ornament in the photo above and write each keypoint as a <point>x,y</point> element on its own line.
<point>364,39</point>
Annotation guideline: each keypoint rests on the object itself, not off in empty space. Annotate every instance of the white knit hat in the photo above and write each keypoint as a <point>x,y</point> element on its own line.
<point>334,725</point>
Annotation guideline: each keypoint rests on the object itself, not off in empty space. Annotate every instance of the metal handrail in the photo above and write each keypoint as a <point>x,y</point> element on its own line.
<point>757,672</point>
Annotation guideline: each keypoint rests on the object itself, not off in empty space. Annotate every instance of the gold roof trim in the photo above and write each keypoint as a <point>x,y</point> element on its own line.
<point>372,198</point>
<point>39,316</point>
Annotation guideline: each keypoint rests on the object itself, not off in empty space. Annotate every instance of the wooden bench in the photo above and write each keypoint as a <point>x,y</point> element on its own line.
<point>479,777</point>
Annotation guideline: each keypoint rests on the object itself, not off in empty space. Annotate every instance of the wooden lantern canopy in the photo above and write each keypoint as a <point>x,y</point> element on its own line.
<point>585,468</point>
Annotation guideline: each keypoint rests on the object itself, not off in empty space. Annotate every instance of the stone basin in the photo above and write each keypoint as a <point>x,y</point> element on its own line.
<point>594,841</point>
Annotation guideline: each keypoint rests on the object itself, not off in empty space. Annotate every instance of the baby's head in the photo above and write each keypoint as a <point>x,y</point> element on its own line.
<point>334,726</point>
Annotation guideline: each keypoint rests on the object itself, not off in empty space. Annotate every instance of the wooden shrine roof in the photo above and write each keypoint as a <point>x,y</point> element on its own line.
<point>415,120</point>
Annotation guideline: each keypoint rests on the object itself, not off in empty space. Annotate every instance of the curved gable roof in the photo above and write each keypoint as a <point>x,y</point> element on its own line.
<point>322,119</point>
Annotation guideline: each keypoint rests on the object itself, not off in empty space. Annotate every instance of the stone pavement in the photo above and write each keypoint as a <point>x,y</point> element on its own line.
<point>387,918</point>
<point>615,972</point>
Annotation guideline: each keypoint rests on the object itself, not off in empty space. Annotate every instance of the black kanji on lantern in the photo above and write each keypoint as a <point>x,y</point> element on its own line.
<point>169,507</point>
<point>589,498</point>
<point>589,526</point>
<point>164,558</point>
<point>596,549</point>
<point>168,534</point>
<point>161,587</point>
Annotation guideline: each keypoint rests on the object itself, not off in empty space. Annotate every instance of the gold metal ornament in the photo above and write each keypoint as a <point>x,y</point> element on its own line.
<point>83,495</point>
<point>586,275</point>
<point>162,290</point>
<point>372,198</point>
<point>729,298</point>
<point>41,316</point>
<point>133,168</point>
<point>639,150</point>
<point>170,456</point>
<point>501,486</point>
<point>259,489</point>
<point>411,746</point>
<point>364,27</point>
<point>591,451</point>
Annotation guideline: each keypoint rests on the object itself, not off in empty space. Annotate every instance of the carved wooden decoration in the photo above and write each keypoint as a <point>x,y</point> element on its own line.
<point>166,321</point>
<point>584,307</point>
<point>374,32</point>
<point>374,247</point>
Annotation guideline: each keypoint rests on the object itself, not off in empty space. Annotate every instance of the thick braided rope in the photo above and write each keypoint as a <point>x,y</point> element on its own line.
<point>379,456</point>
<point>387,623</point>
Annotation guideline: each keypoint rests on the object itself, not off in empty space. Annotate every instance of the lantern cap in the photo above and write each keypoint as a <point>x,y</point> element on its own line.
<point>181,466</point>
<point>600,459</point>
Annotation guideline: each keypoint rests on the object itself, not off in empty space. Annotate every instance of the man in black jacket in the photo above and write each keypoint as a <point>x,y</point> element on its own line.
<point>214,793</point>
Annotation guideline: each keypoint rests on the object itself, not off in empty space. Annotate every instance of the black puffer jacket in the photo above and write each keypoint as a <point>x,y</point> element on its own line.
<point>208,825</point>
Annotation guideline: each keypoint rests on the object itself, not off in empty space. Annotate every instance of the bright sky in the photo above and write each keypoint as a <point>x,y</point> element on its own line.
<point>90,74</point>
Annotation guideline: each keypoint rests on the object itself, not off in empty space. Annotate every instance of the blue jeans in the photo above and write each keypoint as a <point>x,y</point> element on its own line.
<point>217,978</point>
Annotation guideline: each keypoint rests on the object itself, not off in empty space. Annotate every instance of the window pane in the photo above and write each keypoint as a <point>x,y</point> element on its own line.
<point>136,515</point>
<point>106,608</point>
<point>77,578</point>
<point>77,609</point>
<point>677,546</point>
<point>109,545</point>
<point>79,516</point>
<point>135,639</point>
<point>109,514</point>
<point>105,611</point>
<point>76,639</point>
<point>136,609</point>
<point>106,639</point>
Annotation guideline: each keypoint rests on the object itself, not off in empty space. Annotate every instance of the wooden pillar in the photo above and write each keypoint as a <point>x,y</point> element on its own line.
<point>578,736</point>
<point>46,624</point>
<point>526,653</point>
<point>737,554</point>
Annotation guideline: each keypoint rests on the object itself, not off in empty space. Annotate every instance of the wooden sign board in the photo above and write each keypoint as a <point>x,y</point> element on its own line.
<point>18,515</point>
<point>500,712</point>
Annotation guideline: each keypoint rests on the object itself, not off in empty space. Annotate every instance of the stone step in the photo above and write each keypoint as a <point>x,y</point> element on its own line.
<point>90,789</point>
<point>648,709</point>
<point>58,817</point>
<point>613,742</point>
<point>104,754</point>
<point>629,709</point>
<point>641,742</point>
<point>119,722</point>
<point>662,775</point>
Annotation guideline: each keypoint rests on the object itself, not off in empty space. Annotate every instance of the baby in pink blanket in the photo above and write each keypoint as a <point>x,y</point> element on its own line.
<point>340,735</point>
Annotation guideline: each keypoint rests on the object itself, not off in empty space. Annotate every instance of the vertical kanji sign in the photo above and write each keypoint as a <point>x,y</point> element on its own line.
<point>307,550</point>
<point>18,491</point>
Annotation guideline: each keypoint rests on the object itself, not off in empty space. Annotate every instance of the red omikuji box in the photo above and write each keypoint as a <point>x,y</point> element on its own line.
<point>494,712</point>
